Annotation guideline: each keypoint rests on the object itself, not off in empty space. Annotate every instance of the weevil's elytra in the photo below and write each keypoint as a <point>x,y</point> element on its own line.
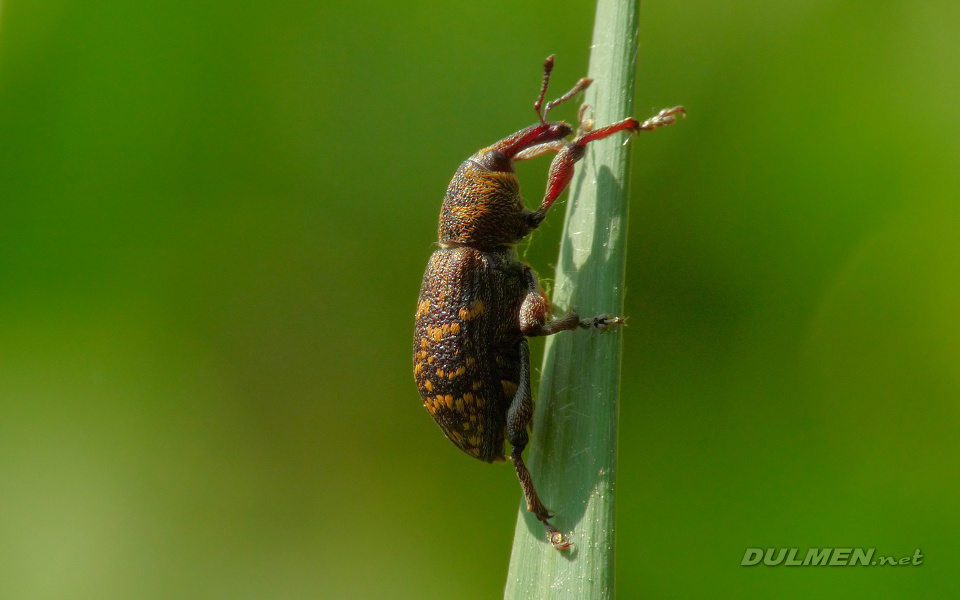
<point>478,303</point>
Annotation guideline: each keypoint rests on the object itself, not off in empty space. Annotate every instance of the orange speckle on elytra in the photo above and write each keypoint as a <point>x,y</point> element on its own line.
<point>423,308</point>
<point>471,312</point>
<point>428,385</point>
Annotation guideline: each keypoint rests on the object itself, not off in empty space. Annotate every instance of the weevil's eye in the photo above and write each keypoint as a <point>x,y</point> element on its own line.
<point>494,160</point>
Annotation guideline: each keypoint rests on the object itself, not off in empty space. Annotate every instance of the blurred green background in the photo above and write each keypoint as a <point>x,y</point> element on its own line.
<point>213,223</point>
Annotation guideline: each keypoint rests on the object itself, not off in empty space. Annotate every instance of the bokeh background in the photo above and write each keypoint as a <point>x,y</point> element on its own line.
<point>214,218</point>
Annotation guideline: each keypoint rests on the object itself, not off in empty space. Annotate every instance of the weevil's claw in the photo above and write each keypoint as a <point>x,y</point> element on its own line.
<point>605,323</point>
<point>556,537</point>
<point>602,323</point>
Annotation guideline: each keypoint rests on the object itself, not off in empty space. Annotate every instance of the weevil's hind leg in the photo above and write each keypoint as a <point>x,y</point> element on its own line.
<point>519,416</point>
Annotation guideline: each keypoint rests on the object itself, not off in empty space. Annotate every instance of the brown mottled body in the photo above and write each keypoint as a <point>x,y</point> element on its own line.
<point>478,303</point>
<point>465,351</point>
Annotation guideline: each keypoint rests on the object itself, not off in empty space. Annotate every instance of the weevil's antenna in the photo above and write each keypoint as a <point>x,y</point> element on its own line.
<point>579,87</point>
<point>547,68</point>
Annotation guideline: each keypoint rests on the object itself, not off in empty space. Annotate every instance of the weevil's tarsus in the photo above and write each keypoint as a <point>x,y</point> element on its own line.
<point>667,116</point>
<point>557,538</point>
<point>602,323</point>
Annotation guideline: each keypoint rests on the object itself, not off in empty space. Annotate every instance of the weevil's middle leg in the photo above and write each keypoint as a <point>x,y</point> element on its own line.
<point>535,314</point>
<point>561,169</point>
<point>572,320</point>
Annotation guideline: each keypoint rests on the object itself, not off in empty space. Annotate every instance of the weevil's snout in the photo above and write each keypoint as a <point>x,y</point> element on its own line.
<point>524,144</point>
<point>558,130</point>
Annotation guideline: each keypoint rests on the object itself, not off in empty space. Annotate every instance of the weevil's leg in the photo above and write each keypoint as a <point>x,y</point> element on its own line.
<point>535,314</point>
<point>540,150</point>
<point>667,116</point>
<point>561,169</point>
<point>519,417</point>
<point>561,172</point>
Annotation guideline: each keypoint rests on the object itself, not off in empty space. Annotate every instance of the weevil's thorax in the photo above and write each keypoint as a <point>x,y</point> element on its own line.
<point>483,208</point>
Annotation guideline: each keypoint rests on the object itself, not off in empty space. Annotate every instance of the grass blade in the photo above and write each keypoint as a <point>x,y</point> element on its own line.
<point>573,452</point>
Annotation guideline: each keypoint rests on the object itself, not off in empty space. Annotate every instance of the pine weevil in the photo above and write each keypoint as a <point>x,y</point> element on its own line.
<point>478,303</point>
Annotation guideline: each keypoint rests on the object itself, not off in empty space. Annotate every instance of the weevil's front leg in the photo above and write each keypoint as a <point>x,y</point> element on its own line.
<point>519,416</point>
<point>561,169</point>
<point>540,150</point>
<point>535,314</point>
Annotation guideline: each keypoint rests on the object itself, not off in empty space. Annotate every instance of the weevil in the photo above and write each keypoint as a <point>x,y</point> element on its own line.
<point>478,303</point>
